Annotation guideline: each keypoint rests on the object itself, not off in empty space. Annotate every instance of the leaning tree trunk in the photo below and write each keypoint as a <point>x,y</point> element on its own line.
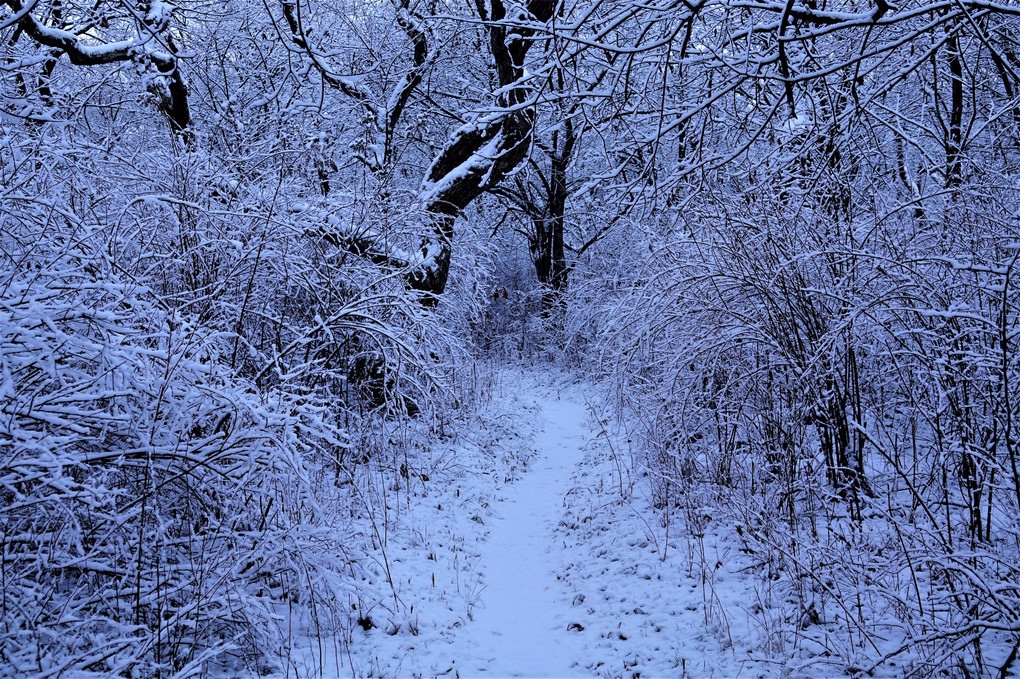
<point>482,152</point>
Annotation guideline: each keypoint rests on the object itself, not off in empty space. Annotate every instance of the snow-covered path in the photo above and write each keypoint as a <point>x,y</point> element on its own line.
<point>528,546</point>
<point>520,627</point>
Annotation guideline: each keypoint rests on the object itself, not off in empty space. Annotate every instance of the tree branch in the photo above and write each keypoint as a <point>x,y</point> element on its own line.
<point>79,53</point>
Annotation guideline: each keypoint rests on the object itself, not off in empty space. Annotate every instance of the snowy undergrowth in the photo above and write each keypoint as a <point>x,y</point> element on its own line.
<point>155,510</point>
<point>794,585</point>
<point>421,524</point>
<point>658,593</point>
<point>191,461</point>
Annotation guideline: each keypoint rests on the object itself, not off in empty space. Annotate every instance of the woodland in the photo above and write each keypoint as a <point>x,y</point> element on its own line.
<point>257,255</point>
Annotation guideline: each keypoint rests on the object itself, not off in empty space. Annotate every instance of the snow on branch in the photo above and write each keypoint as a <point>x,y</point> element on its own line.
<point>82,53</point>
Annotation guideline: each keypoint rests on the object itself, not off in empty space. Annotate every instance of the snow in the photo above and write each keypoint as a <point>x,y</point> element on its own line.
<point>797,124</point>
<point>532,551</point>
<point>807,323</point>
<point>521,626</point>
<point>159,15</point>
<point>480,162</point>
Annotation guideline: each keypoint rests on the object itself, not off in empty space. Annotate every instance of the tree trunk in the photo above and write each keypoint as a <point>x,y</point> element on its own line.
<point>483,151</point>
<point>546,243</point>
<point>547,249</point>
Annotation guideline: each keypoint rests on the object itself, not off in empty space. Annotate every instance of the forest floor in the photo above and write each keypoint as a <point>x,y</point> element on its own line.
<point>530,548</point>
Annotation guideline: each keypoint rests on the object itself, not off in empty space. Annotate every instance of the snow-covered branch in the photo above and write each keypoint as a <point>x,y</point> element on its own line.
<point>83,52</point>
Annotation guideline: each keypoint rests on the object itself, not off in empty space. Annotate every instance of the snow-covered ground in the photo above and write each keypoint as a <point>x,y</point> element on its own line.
<point>530,548</point>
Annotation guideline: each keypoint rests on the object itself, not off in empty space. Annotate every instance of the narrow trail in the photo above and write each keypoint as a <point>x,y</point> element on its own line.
<point>520,625</point>
<point>533,549</point>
